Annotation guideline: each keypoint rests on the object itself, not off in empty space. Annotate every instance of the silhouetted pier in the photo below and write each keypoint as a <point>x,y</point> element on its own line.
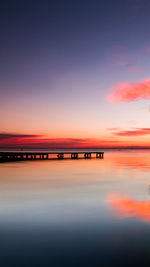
<point>21,155</point>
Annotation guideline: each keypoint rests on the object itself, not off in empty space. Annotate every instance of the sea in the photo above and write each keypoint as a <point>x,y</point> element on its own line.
<point>76,212</point>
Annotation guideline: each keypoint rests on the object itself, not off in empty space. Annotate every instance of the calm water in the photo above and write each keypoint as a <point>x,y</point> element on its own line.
<point>86,212</point>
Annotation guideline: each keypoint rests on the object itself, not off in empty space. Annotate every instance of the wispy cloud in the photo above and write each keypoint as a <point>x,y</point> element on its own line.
<point>6,136</point>
<point>129,66</point>
<point>128,91</point>
<point>113,129</point>
<point>136,69</point>
<point>121,63</point>
<point>123,58</point>
<point>135,132</point>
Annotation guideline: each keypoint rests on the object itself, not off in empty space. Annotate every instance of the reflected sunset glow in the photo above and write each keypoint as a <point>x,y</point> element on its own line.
<point>126,207</point>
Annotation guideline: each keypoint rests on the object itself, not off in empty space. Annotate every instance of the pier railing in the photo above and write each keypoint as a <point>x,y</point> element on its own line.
<point>18,156</point>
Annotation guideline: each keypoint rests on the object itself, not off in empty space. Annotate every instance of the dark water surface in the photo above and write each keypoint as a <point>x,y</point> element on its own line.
<point>86,212</point>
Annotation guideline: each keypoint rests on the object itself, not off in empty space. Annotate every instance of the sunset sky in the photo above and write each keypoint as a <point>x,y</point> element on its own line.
<point>75,73</point>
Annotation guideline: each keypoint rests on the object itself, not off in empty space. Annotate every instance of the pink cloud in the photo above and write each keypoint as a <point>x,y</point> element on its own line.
<point>136,132</point>
<point>128,92</point>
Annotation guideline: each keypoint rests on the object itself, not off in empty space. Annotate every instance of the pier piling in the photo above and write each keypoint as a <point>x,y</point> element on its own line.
<point>20,156</point>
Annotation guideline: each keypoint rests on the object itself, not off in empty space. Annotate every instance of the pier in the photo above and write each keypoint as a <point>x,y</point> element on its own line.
<point>21,155</point>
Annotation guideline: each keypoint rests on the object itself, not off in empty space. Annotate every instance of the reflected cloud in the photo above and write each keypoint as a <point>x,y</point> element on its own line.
<point>126,207</point>
<point>135,160</point>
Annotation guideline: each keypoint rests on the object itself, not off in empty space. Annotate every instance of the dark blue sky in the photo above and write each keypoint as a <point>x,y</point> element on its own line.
<point>63,35</point>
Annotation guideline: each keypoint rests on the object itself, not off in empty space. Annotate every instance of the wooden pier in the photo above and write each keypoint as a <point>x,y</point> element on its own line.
<point>21,155</point>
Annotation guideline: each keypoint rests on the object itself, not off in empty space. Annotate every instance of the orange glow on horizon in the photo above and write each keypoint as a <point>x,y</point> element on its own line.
<point>69,143</point>
<point>42,141</point>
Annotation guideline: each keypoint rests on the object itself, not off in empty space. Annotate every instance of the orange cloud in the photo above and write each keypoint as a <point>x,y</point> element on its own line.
<point>130,208</point>
<point>127,91</point>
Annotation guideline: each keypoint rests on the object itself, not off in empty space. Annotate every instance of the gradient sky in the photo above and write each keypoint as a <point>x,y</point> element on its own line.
<point>75,73</point>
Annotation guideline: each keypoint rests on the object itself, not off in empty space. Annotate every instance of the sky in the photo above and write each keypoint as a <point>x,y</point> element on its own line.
<point>75,73</point>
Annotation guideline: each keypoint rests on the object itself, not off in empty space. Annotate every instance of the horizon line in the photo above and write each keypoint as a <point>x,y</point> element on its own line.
<point>61,148</point>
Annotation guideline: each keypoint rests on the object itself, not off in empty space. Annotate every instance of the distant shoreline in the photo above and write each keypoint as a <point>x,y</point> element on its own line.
<point>74,149</point>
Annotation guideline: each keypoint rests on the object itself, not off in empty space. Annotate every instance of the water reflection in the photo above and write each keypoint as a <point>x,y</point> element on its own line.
<point>126,207</point>
<point>142,163</point>
<point>131,159</point>
<point>55,213</point>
